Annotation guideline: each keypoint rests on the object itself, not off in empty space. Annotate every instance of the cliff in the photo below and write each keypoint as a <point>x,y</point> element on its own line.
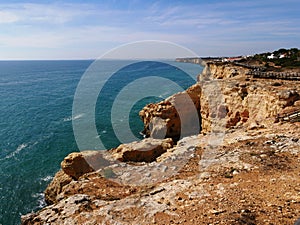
<point>191,60</point>
<point>239,166</point>
<point>165,118</point>
<point>244,101</point>
<point>226,98</point>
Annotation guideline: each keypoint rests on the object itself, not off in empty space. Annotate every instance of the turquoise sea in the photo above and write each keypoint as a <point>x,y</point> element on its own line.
<point>36,131</point>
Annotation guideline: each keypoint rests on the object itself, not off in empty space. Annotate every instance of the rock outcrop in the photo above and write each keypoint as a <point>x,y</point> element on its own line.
<point>175,117</point>
<point>225,98</point>
<point>78,164</point>
<point>60,180</point>
<point>146,150</point>
<point>75,165</point>
<point>242,100</point>
<point>218,70</point>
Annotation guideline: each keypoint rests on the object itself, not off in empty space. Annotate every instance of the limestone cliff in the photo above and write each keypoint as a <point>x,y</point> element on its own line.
<point>225,97</point>
<point>241,99</point>
<point>165,118</point>
<point>217,70</point>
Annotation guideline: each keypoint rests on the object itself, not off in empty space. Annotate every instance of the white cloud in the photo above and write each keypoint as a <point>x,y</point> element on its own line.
<point>54,13</point>
<point>8,17</point>
<point>28,13</point>
<point>78,28</point>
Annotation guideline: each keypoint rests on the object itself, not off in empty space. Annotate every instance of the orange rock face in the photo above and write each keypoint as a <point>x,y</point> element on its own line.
<point>241,100</point>
<point>175,117</point>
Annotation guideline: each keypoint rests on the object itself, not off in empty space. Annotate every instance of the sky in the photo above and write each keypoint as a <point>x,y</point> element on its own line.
<point>86,29</point>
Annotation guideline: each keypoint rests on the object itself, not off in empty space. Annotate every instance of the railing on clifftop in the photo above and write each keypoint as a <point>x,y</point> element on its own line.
<point>290,116</point>
<point>275,75</point>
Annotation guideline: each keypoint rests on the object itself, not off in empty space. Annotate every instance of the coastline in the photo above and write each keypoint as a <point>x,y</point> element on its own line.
<point>248,121</point>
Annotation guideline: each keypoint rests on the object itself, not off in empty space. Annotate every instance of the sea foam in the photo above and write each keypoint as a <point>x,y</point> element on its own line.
<point>17,151</point>
<point>71,118</point>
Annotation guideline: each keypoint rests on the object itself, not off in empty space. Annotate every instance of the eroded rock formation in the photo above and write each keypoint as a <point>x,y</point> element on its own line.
<point>165,119</point>
<point>146,150</point>
<point>242,101</point>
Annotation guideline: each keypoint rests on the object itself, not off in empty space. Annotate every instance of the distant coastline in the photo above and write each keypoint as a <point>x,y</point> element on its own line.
<point>259,119</point>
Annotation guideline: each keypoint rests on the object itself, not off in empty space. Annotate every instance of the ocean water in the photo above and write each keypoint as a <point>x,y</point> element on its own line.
<point>36,118</point>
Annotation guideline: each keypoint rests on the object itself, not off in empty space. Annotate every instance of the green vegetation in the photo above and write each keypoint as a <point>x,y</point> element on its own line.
<point>284,58</point>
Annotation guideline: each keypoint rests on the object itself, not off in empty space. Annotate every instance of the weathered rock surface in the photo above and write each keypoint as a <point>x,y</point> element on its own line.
<point>225,97</point>
<point>55,187</point>
<point>249,179</point>
<point>175,117</point>
<point>242,100</point>
<point>222,71</point>
<point>78,163</point>
<point>93,184</point>
<point>146,150</point>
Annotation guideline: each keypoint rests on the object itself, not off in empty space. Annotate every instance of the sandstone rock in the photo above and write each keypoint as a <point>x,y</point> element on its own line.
<point>60,213</point>
<point>75,165</point>
<point>261,105</point>
<point>175,117</point>
<point>146,150</point>
<point>214,70</point>
<point>96,186</point>
<point>158,127</point>
<point>92,184</point>
<point>55,187</point>
<point>297,103</point>
<point>78,163</point>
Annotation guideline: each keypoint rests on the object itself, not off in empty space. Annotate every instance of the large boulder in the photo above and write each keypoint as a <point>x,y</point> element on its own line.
<point>146,150</point>
<point>77,164</point>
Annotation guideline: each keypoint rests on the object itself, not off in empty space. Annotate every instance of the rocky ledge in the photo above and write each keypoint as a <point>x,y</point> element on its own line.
<point>239,166</point>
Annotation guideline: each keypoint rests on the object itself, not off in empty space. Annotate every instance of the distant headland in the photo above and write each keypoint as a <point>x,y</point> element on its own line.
<point>279,60</point>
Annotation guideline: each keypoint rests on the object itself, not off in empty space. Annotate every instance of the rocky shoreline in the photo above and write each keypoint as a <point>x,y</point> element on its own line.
<point>240,165</point>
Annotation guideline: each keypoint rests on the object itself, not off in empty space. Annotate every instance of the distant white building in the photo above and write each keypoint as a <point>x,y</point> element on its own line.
<point>282,56</point>
<point>271,56</point>
<point>231,59</point>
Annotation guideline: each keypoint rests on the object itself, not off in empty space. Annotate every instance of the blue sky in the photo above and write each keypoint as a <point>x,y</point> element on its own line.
<point>87,29</point>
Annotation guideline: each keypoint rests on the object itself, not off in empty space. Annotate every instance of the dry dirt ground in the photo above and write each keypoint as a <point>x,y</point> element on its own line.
<point>261,184</point>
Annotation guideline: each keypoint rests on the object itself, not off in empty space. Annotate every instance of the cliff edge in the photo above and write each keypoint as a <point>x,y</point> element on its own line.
<point>239,166</point>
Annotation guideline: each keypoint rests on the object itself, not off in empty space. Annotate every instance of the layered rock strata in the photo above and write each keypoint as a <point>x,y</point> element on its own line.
<point>242,101</point>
